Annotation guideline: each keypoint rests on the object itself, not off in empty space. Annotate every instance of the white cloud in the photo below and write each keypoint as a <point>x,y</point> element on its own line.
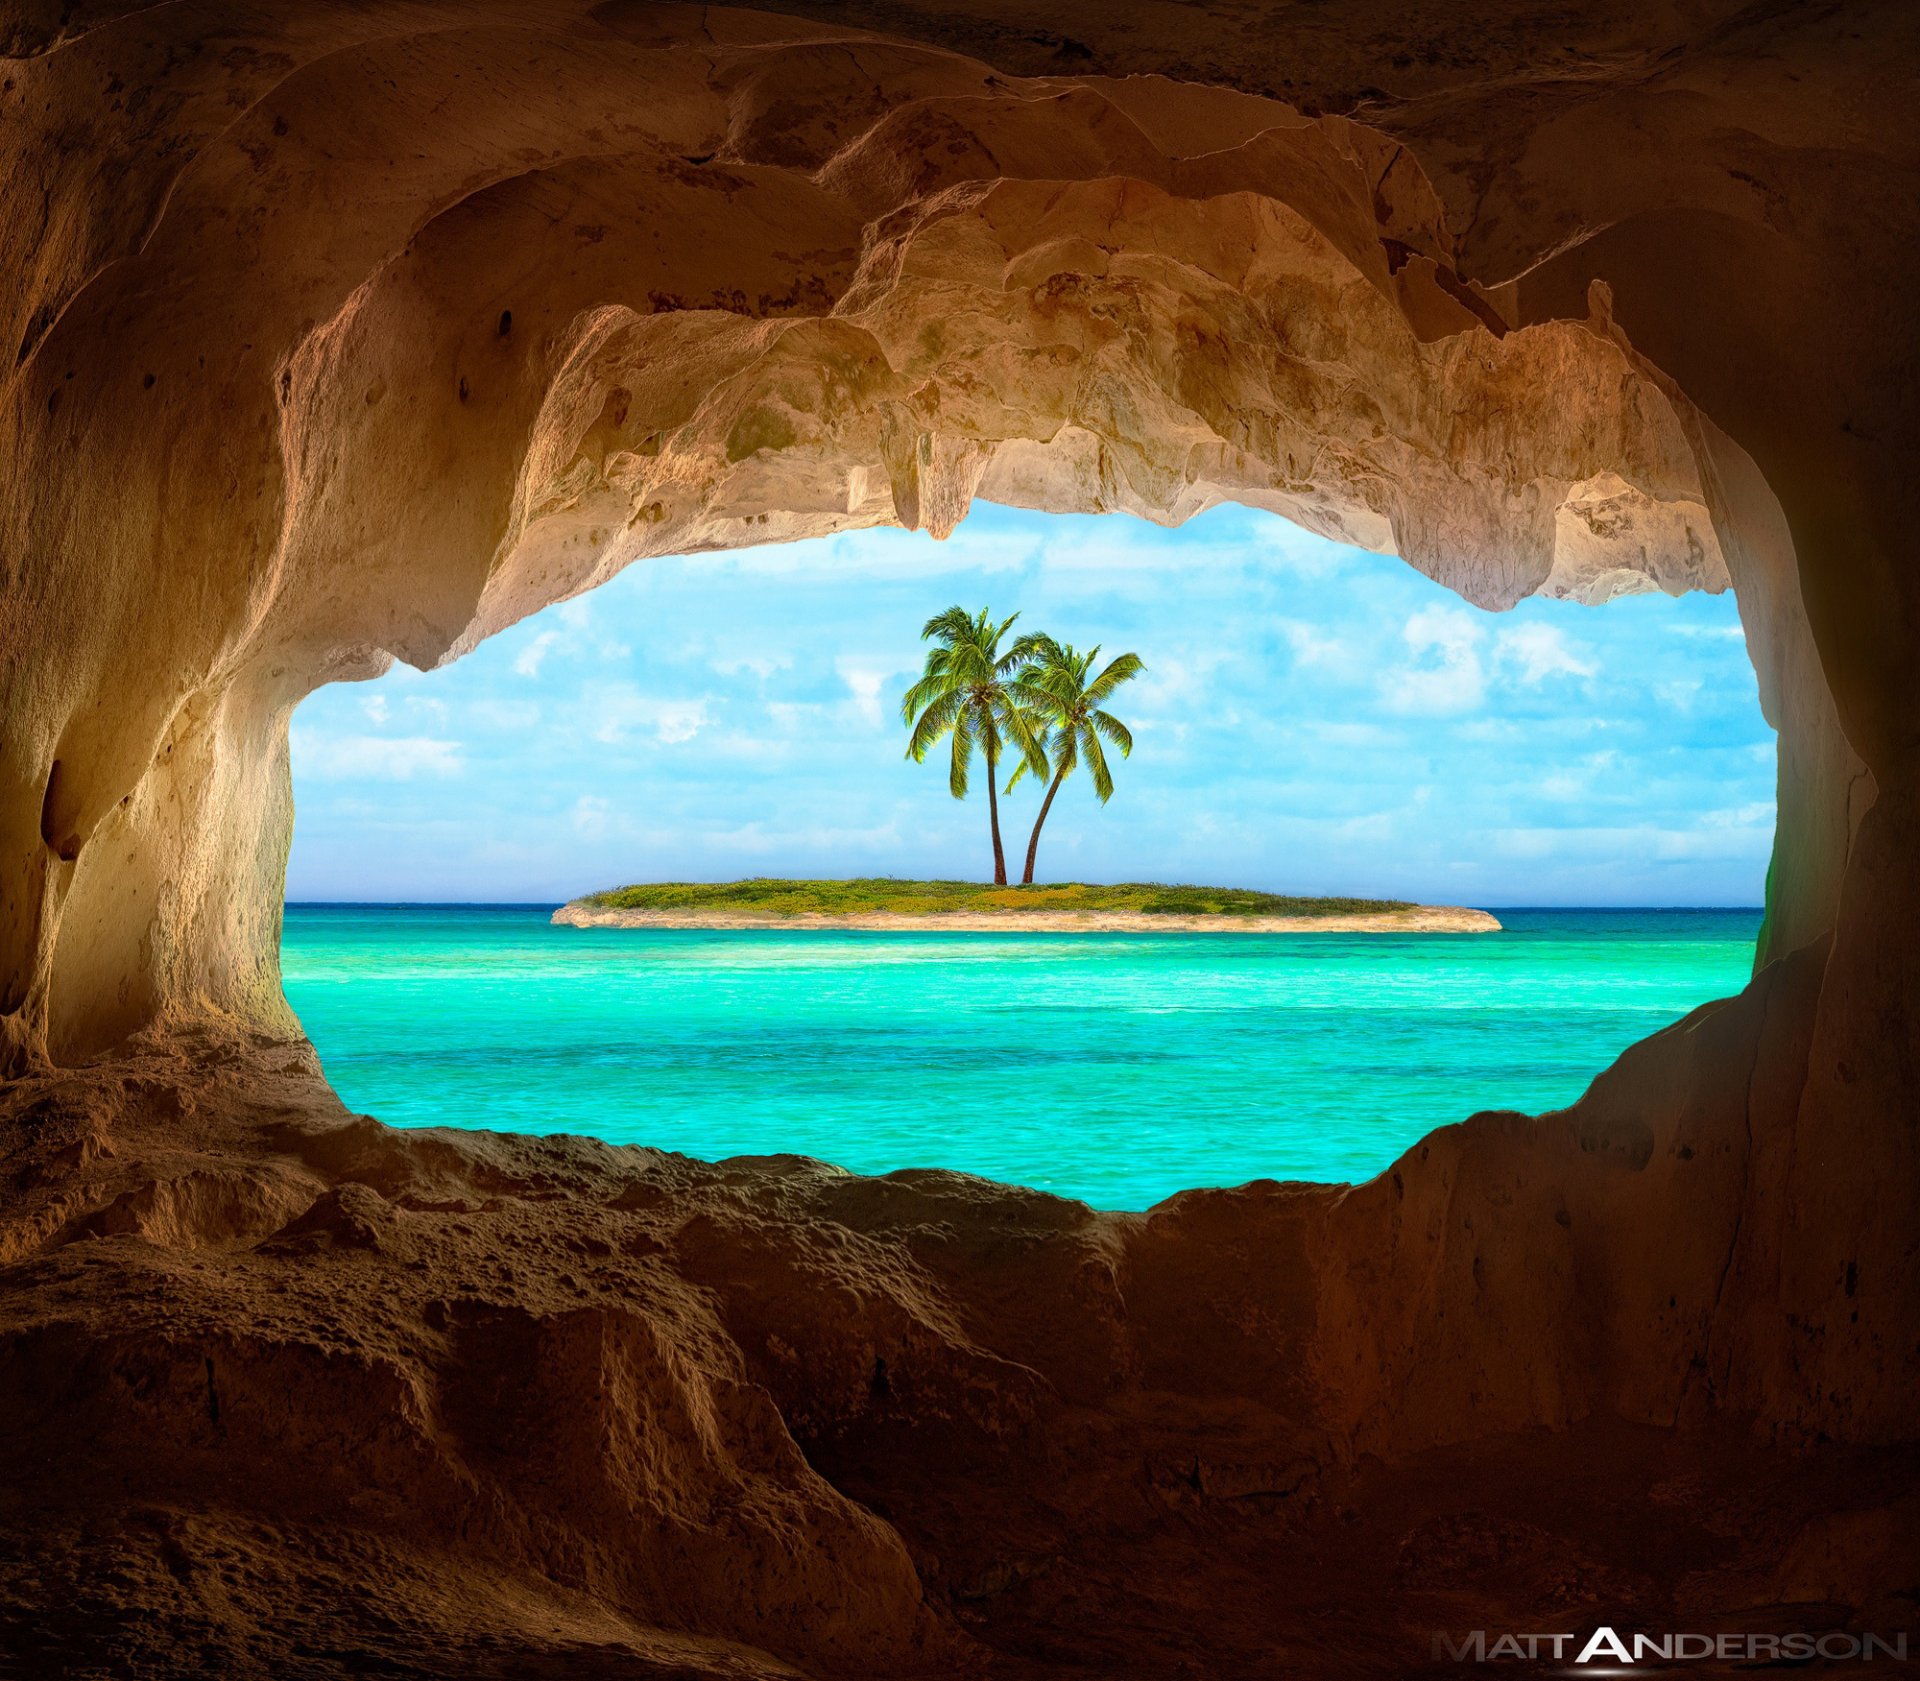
<point>1312,646</point>
<point>345,758</point>
<point>375,707</point>
<point>764,752</point>
<point>1451,630</point>
<point>590,816</point>
<point>1447,674</point>
<point>1488,731</point>
<point>1756,814</point>
<point>762,666</point>
<point>759,840</point>
<point>789,716</point>
<point>864,680</point>
<point>1117,548</point>
<point>1535,652</point>
<point>1577,783</point>
<point>1523,843</point>
<point>1373,826</point>
<point>1279,543</point>
<point>515,716</point>
<point>1353,735</point>
<point>579,633</point>
<point>1733,839</point>
<point>1180,680</point>
<point>528,661</point>
<point>679,720</point>
<point>617,710</point>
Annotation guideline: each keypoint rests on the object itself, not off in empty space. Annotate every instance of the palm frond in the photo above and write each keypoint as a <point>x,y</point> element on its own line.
<point>1019,725</point>
<point>1066,749</point>
<point>1096,763</point>
<point>933,723</point>
<point>956,624</point>
<point>962,756</point>
<point>1122,669</point>
<point>922,695</point>
<point>1034,697</point>
<point>1115,731</point>
<point>1035,646</point>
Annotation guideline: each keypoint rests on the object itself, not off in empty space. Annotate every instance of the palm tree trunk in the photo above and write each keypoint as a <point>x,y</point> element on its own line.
<point>1046,805</point>
<point>993,816</point>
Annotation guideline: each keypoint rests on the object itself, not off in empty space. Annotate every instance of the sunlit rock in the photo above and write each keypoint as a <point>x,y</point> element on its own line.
<point>343,334</point>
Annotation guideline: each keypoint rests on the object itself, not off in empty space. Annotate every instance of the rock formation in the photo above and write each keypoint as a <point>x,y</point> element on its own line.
<point>351,333</point>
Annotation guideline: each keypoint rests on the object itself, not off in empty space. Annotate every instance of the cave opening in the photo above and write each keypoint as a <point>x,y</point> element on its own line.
<point>1313,719</point>
<point>352,332</point>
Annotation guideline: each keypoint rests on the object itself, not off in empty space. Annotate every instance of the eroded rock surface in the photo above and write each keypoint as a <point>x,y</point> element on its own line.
<point>353,334</point>
<point>339,334</point>
<point>291,1392</point>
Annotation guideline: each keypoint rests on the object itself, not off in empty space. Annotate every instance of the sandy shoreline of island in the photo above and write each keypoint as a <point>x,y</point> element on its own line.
<point>1419,919</point>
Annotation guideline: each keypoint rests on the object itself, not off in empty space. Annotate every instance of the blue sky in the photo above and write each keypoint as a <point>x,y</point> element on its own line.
<point>1313,719</point>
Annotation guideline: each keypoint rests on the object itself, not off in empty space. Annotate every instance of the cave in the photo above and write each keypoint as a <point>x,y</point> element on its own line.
<point>356,334</point>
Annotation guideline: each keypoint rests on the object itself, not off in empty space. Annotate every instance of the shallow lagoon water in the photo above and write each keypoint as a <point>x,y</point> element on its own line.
<point>1114,1068</point>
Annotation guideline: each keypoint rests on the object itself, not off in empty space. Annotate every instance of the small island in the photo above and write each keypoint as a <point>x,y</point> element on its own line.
<point>883,903</point>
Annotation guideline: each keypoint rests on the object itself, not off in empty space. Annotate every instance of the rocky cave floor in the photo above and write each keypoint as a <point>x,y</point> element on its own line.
<point>291,1393</point>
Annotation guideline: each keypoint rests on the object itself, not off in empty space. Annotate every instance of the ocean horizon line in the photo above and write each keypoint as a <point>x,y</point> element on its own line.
<point>555,904</point>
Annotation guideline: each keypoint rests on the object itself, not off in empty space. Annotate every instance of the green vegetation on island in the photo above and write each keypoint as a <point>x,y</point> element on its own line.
<point>887,895</point>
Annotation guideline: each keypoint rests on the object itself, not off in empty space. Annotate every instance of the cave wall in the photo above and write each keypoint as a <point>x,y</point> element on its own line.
<point>424,324</point>
<point>356,333</point>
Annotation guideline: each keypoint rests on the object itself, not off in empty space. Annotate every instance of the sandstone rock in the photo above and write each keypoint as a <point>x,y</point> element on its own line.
<point>345,334</point>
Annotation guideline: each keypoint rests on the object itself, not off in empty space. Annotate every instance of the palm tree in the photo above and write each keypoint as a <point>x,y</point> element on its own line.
<point>963,693</point>
<point>1053,684</point>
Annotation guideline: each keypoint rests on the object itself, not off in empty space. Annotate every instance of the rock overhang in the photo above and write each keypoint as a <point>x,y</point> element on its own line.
<point>353,333</point>
<point>434,323</point>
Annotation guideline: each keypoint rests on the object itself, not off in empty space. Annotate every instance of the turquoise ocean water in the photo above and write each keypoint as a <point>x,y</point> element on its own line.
<point>1114,1068</point>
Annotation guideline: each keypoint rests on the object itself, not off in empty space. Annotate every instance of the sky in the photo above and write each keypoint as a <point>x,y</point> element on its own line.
<point>1312,719</point>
